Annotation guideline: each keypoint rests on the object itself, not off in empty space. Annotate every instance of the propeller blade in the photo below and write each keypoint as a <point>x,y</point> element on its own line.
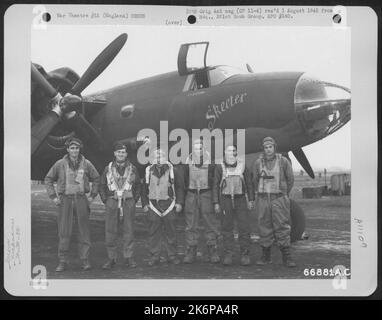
<point>302,159</point>
<point>249,68</point>
<point>42,82</point>
<point>42,128</point>
<point>86,131</point>
<point>100,63</point>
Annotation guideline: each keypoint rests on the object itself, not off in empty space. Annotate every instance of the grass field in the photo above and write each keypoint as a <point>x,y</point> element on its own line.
<point>327,223</point>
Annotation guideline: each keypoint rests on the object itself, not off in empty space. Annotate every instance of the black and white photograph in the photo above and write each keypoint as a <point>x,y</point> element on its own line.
<point>233,82</point>
<point>171,152</point>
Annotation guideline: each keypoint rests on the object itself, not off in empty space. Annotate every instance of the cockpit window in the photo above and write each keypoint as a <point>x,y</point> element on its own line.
<point>210,77</point>
<point>222,73</point>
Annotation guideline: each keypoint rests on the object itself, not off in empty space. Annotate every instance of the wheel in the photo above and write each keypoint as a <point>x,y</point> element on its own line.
<point>297,221</point>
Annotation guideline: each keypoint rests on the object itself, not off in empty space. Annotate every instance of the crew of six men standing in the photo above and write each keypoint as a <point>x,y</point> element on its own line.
<point>214,195</point>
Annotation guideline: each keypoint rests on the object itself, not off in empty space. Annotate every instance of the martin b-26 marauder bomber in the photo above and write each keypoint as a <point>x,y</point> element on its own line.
<point>292,107</point>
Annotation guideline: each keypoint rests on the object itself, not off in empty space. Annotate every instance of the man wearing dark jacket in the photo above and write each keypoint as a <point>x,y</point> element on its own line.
<point>198,177</point>
<point>72,174</point>
<point>163,194</point>
<point>120,189</point>
<point>233,198</point>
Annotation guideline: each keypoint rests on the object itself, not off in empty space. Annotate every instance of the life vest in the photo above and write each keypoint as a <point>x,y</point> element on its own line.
<point>198,175</point>
<point>198,179</point>
<point>120,185</point>
<point>74,179</point>
<point>233,182</point>
<point>269,179</point>
<point>158,188</point>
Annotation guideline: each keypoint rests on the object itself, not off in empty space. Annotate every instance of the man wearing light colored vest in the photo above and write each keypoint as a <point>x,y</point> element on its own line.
<point>72,174</point>
<point>273,180</point>
<point>198,180</point>
<point>120,190</point>
<point>163,194</point>
<point>233,198</point>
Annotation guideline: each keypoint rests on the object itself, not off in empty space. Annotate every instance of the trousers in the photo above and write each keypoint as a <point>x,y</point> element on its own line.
<point>199,208</point>
<point>79,205</point>
<point>241,215</point>
<point>111,227</point>
<point>273,220</point>
<point>162,231</point>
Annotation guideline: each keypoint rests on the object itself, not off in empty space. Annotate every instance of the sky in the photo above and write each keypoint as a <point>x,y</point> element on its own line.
<point>321,51</point>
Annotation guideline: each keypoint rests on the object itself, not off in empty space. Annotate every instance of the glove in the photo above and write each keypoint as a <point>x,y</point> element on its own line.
<point>146,208</point>
<point>178,207</point>
<point>251,205</point>
<point>217,208</point>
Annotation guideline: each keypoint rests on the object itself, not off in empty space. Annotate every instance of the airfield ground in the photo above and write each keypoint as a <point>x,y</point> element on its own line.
<point>327,224</point>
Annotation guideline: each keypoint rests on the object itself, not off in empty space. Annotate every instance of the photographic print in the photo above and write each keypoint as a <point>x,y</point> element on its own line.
<point>215,157</point>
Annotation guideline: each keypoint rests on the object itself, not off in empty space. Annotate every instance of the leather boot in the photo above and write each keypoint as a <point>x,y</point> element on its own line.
<point>213,254</point>
<point>153,261</point>
<point>62,266</point>
<point>174,260</point>
<point>265,257</point>
<point>287,257</point>
<point>245,259</point>
<point>130,262</point>
<point>109,264</point>
<point>190,255</point>
<point>86,266</point>
<point>227,261</point>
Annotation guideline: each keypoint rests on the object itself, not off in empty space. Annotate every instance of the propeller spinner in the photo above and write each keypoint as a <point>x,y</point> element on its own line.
<point>72,101</point>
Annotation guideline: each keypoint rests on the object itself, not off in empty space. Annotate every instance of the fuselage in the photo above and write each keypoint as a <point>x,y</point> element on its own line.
<point>262,104</point>
<point>264,101</point>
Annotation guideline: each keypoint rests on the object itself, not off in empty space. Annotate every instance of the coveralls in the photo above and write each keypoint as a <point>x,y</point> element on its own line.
<point>198,204</point>
<point>123,179</point>
<point>273,180</point>
<point>72,186</point>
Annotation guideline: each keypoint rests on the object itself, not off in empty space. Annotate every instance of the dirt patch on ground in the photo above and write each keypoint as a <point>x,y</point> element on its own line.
<point>327,223</point>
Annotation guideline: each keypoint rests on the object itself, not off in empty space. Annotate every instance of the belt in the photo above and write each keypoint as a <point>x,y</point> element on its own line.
<point>236,196</point>
<point>74,195</point>
<point>200,191</point>
<point>116,198</point>
<point>270,195</point>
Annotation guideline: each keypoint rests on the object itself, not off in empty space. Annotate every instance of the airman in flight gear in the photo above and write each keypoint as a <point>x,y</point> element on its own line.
<point>198,177</point>
<point>120,190</point>
<point>233,198</point>
<point>163,194</point>
<point>72,174</point>
<point>273,180</point>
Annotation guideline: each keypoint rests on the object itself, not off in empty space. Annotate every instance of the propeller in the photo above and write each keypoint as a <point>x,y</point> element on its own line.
<point>249,68</point>
<point>303,160</point>
<point>99,64</point>
<point>72,101</point>
<point>42,82</point>
<point>44,126</point>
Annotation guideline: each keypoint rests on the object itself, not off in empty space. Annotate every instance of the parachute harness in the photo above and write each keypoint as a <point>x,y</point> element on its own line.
<point>239,171</point>
<point>148,176</point>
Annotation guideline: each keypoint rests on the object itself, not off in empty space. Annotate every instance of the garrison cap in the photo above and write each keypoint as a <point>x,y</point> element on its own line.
<point>268,140</point>
<point>119,146</point>
<point>75,141</point>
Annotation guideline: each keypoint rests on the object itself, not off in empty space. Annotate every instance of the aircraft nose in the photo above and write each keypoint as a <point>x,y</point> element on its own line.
<point>321,107</point>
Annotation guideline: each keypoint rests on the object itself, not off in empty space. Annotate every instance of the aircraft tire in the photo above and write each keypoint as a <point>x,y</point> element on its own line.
<point>297,221</point>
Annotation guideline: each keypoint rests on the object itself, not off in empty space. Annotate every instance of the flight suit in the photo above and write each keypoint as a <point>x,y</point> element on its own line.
<point>233,189</point>
<point>72,187</point>
<point>199,206</point>
<point>273,180</point>
<point>163,188</point>
<point>123,179</point>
